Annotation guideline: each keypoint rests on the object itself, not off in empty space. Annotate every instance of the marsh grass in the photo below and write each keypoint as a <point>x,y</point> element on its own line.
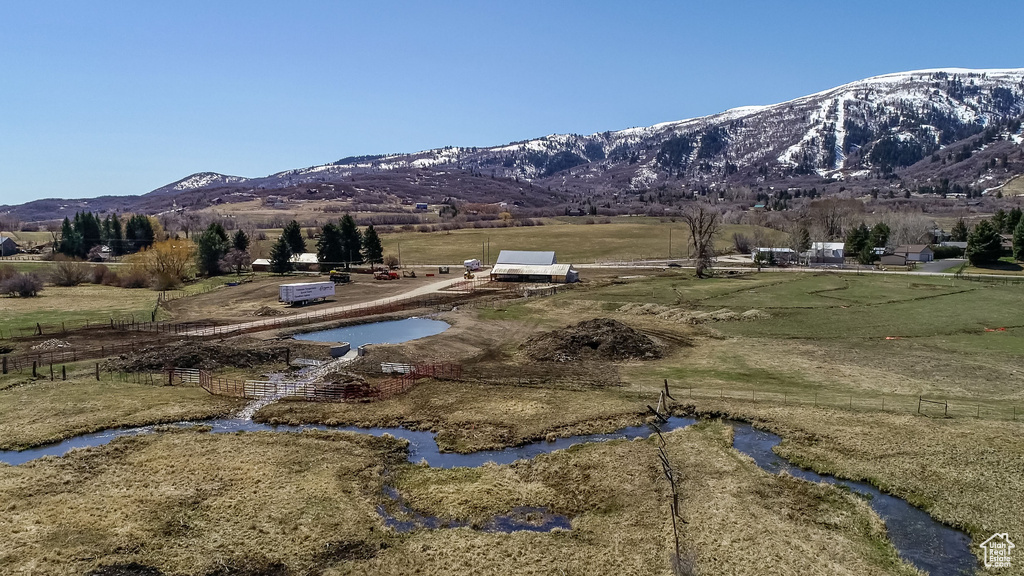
<point>186,502</point>
<point>740,520</point>
<point>964,472</point>
<point>469,417</point>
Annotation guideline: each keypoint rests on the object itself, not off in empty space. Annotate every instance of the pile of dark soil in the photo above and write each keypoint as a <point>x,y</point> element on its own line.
<point>197,354</point>
<point>598,339</point>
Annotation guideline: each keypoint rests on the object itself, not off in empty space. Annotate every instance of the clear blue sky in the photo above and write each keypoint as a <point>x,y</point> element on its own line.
<point>106,97</point>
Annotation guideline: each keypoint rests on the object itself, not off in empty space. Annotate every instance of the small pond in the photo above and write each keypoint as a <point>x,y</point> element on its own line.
<point>390,332</point>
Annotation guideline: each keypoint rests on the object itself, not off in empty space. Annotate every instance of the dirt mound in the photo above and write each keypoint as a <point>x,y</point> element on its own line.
<point>51,344</point>
<point>194,354</point>
<point>267,311</point>
<point>599,339</point>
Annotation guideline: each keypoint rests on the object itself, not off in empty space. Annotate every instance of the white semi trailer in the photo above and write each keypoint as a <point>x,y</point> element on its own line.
<point>305,292</point>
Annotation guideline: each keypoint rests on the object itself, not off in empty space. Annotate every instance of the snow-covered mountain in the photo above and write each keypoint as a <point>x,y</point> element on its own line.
<point>197,181</point>
<point>878,124</point>
<point>958,124</point>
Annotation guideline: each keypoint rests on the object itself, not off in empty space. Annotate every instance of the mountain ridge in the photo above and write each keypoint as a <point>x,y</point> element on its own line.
<point>877,128</point>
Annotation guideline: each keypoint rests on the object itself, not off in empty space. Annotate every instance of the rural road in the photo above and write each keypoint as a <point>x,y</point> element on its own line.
<point>254,325</point>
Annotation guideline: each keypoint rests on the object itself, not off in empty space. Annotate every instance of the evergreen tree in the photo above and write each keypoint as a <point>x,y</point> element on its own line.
<point>211,247</point>
<point>1012,219</point>
<point>1018,241</point>
<point>116,238</point>
<point>70,240</point>
<point>879,237</point>
<point>240,241</point>
<point>293,236</point>
<point>351,240</point>
<point>999,220</point>
<point>218,229</point>
<point>373,250</point>
<point>281,257</point>
<point>984,245</point>
<point>329,249</point>
<point>857,239</point>
<point>959,231</point>
<point>866,255</point>
<point>138,233</point>
<point>89,229</point>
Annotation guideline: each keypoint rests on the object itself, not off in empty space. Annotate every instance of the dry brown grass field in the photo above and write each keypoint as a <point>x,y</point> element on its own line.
<point>814,336</point>
<point>34,412</point>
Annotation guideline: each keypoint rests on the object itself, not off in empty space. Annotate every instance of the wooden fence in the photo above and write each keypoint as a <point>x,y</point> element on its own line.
<point>21,362</point>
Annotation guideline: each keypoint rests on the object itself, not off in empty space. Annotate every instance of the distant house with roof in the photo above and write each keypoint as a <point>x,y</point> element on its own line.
<point>531,266</point>
<point>827,253</point>
<point>8,247</point>
<point>915,252</point>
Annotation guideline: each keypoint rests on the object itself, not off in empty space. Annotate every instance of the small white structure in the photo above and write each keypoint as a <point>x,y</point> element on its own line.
<point>774,255</point>
<point>827,253</point>
<point>472,265</point>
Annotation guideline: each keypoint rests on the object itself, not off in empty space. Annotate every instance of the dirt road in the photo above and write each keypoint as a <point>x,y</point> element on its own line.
<point>313,315</point>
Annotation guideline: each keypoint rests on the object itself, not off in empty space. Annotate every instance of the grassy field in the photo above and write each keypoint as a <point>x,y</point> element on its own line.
<point>34,412</point>
<point>186,502</point>
<point>819,357</point>
<point>963,471</point>
<point>192,503</point>
<point>622,239</point>
<point>75,305</point>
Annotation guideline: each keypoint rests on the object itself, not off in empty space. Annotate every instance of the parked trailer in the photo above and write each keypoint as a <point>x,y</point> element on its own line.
<point>305,292</point>
<point>472,265</point>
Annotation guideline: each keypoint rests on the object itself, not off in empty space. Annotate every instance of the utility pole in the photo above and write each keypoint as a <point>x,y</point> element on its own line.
<point>669,243</point>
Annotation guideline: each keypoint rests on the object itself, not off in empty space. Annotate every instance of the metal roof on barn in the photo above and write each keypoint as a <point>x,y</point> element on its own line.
<point>526,258</point>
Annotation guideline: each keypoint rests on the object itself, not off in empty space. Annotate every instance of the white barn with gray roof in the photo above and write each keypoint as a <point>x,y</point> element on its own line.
<point>531,266</point>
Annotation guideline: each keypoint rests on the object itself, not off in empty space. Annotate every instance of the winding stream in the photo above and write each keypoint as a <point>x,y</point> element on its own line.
<point>929,545</point>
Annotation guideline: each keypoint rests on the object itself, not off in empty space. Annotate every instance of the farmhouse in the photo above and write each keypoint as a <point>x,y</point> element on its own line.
<point>525,266</point>
<point>827,253</point>
<point>8,247</point>
<point>305,262</point>
<point>915,252</point>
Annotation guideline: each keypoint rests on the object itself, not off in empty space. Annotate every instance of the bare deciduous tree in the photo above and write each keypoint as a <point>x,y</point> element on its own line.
<point>704,222</point>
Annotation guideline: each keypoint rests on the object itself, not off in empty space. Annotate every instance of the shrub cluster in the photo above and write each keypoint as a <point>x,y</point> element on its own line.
<point>23,285</point>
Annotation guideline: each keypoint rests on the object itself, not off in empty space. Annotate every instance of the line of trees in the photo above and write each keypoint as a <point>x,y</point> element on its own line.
<point>85,235</point>
<point>340,244</point>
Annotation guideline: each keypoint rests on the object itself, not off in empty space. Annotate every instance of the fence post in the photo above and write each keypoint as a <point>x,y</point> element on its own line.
<point>5,365</point>
<point>918,404</point>
<point>97,371</point>
<point>34,368</point>
<point>51,371</point>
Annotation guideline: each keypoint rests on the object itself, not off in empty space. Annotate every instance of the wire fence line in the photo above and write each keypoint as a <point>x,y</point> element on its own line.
<point>310,390</point>
<point>926,406</point>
